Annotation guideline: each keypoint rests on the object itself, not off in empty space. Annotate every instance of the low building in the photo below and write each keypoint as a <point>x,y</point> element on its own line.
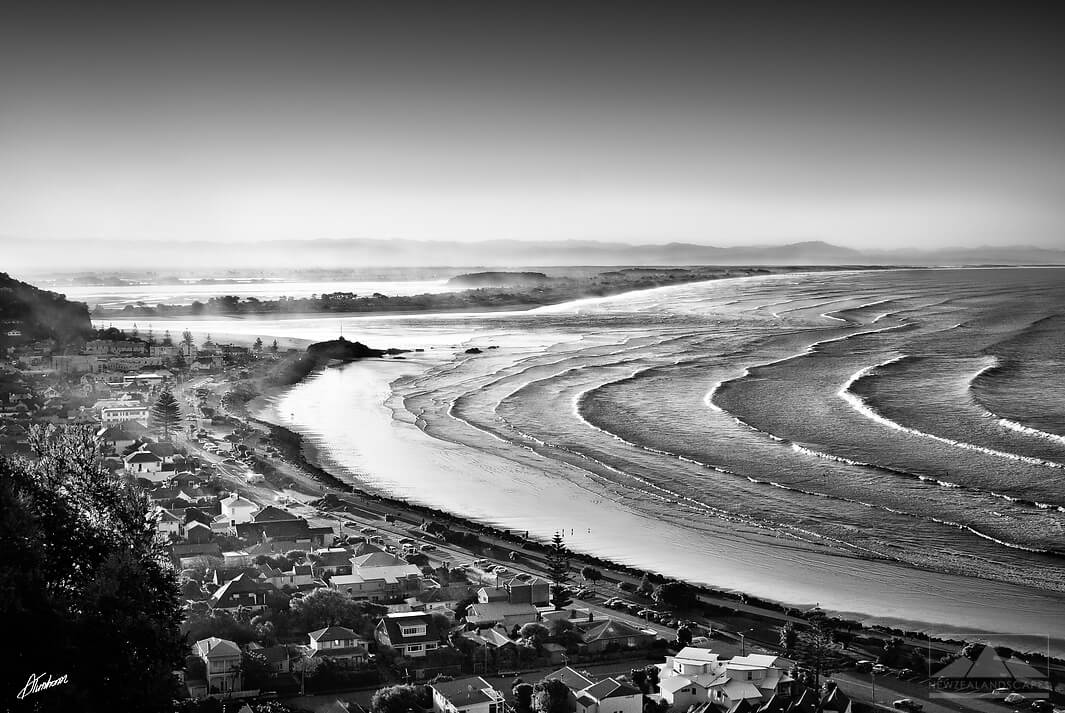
<point>238,510</point>
<point>339,644</point>
<point>242,592</point>
<point>121,414</point>
<point>500,612</point>
<point>412,634</point>
<point>466,695</point>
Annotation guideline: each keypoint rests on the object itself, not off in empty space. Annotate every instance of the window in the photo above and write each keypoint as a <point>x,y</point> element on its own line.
<point>418,630</point>
<point>414,647</point>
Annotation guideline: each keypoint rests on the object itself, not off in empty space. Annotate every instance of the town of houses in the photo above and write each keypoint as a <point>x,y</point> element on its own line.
<point>314,601</point>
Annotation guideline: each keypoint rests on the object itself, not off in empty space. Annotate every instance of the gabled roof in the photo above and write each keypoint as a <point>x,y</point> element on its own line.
<point>167,516</point>
<point>378,559</point>
<point>835,700</point>
<point>392,624</point>
<point>239,584</point>
<point>271,514</point>
<point>610,629</point>
<point>466,691</point>
<point>216,647</point>
<point>235,500</point>
<point>332,633</point>
<point>142,457</point>
<point>574,681</point>
<point>609,688</point>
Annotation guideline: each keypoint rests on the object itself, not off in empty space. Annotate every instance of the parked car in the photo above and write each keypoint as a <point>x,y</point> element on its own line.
<point>880,668</point>
<point>906,673</point>
<point>1042,706</point>
<point>999,694</point>
<point>907,704</point>
<point>427,548</point>
<point>1014,698</point>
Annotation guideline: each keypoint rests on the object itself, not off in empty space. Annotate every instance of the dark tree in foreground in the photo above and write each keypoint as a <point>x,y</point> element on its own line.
<point>165,413</point>
<point>398,699</point>
<point>817,650</point>
<point>550,696</point>
<point>558,572</point>
<point>84,590</point>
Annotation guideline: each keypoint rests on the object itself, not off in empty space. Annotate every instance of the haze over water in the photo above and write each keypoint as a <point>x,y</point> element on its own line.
<point>885,443</point>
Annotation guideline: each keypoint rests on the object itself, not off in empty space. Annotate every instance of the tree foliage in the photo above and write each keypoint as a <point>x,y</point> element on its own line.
<point>84,588</point>
<point>558,572</point>
<point>550,696</point>
<point>817,650</point>
<point>165,414</point>
<point>399,699</point>
<point>328,607</point>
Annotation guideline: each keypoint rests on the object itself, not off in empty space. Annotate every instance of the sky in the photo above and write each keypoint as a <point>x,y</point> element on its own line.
<point>863,124</point>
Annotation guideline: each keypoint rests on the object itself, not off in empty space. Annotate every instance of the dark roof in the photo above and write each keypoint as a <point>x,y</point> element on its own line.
<point>742,707</point>
<point>206,548</point>
<point>282,529</point>
<point>332,633</point>
<point>239,584</point>
<point>163,450</point>
<point>609,688</point>
<point>835,700</point>
<point>271,514</point>
<point>608,629</point>
<point>391,624</point>
<point>142,457</point>
<point>464,691</point>
<point>574,681</point>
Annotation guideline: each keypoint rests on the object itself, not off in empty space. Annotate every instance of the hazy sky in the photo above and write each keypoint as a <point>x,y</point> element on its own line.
<point>862,124</point>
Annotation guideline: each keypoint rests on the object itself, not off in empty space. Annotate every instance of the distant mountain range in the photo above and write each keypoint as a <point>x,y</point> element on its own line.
<point>83,255</point>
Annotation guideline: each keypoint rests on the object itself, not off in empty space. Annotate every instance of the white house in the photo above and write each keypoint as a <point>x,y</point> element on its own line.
<point>238,510</point>
<point>222,659</point>
<point>144,464</point>
<point>466,695</point>
<point>695,676</point>
<point>337,643</point>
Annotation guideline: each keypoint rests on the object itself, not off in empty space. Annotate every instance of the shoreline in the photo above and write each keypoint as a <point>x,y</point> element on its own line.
<point>776,612</point>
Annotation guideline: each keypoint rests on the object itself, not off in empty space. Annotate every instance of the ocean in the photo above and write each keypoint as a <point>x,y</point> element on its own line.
<point>888,444</point>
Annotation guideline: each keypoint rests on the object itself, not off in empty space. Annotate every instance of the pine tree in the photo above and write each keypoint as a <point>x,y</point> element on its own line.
<point>273,347</point>
<point>165,413</point>
<point>558,569</point>
<point>258,346</point>
<point>167,341</point>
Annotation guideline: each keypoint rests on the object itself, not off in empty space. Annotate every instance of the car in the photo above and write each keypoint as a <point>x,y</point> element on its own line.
<point>999,694</point>
<point>907,704</point>
<point>1014,698</point>
<point>368,530</point>
<point>352,525</point>
<point>1042,705</point>
<point>427,548</point>
<point>880,668</point>
<point>583,593</point>
<point>906,673</point>
<point>406,541</point>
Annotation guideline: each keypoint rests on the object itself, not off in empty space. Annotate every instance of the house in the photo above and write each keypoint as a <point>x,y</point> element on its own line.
<point>120,436</point>
<point>609,696</point>
<point>527,589</point>
<point>274,514</point>
<point>835,700</point>
<point>466,695</point>
<point>500,612</point>
<point>242,592</point>
<point>695,676</point>
<point>379,576</point>
<point>611,634</point>
<point>222,659</point>
<point>121,414</point>
<point>490,647</point>
<point>605,696</point>
<point>238,510</point>
<point>279,658</point>
<point>196,533</point>
<point>331,561</point>
<point>189,555</point>
<point>412,634</point>
<point>143,464</point>
<point>440,600</point>
<point>168,524</point>
<point>285,534</point>
<point>298,576</point>
<point>339,644</point>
